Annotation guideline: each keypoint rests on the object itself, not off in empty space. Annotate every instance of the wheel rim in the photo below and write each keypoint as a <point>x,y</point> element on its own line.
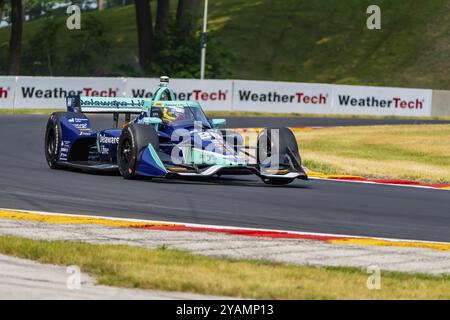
<point>125,154</point>
<point>51,143</point>
<point>264,148</point>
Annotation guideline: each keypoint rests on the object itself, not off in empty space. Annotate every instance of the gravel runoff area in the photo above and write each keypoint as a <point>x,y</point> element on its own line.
<point>296,251</point>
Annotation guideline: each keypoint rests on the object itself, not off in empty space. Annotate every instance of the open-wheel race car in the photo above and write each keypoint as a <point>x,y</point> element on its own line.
<point>167,138</point>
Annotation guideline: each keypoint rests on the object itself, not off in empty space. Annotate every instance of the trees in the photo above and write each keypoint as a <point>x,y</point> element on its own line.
<point>2,5</point>
<point>166,49</point>
<point>145,28</point>
<point>15,41</point>
<point>187,11</point>
<point>33,8</point>
<point>162,16</point>
<point>145,33</point>
<point>101,4</point>
<point>176,42</point>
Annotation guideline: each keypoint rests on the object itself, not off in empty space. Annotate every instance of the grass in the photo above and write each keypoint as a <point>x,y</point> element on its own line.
<point>327,41</point>
<point>310,41</point>
<point>173,270</point>
<point>28,111</point>
<point>417,152</point>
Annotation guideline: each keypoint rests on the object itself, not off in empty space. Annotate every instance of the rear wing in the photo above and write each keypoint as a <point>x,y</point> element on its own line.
<point>107,105</point>
<point>115,106</point>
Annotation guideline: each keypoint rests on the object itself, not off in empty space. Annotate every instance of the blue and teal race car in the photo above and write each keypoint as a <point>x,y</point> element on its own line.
<point>166,139</point>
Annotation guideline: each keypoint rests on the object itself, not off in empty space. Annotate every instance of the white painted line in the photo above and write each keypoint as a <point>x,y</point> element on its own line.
<point>379,183</point>
<point>196,225</point>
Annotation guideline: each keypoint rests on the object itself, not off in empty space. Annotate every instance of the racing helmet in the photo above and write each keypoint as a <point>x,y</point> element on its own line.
<point>171,114</point>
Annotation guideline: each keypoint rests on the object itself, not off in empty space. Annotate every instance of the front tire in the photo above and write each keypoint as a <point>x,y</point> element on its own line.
<point>286,149</point>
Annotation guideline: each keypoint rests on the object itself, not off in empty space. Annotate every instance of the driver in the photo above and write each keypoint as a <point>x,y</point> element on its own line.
<point>172,114</point>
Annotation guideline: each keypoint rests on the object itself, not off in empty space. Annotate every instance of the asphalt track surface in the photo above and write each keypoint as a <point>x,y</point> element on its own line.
<point>243,201</point>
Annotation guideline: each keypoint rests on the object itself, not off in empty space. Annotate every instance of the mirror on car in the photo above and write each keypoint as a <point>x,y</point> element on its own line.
<point>218,122</point>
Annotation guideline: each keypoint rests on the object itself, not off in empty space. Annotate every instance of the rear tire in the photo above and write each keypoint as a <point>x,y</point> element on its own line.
<point>134,138</point>
<point>52,141</point>
<point>53,137</point>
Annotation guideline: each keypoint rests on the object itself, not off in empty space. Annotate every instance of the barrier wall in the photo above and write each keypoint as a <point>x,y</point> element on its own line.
<point>7,90</point>
<point>212,94</point>
<point>330,99</point>
<point>268,96</point>
<point>233,95</point>
<point>380,101</point>
<point>50,92</point>
<point>441,103</point>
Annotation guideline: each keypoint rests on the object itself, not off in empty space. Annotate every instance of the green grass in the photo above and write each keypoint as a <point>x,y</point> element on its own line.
<point>173,270</point>
<point>28,111</point>
<point>417,152</point>
<point>327,41</point>
<point>311,41</point>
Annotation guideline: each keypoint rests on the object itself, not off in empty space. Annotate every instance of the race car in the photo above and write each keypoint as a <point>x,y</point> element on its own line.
<point>166,139</point>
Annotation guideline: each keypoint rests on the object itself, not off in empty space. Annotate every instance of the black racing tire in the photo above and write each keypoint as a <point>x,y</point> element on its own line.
<point>53,137</point>
<point>286,147</point>
<point>134,138</point>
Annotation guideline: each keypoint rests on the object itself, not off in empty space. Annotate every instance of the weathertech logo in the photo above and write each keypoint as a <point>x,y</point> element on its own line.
<point>196,95</point>
<point>3,93</point>
<point>298,97</point>
<point>32,92</point>
<point>397,103</point>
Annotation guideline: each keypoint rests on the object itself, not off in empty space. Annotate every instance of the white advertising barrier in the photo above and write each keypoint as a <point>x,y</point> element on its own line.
<point>50,92</point>
<point>7,89</point>
<point>211,94</point>
<point>265,96</point>
<point>381,101</point>
<point>238,95</point>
